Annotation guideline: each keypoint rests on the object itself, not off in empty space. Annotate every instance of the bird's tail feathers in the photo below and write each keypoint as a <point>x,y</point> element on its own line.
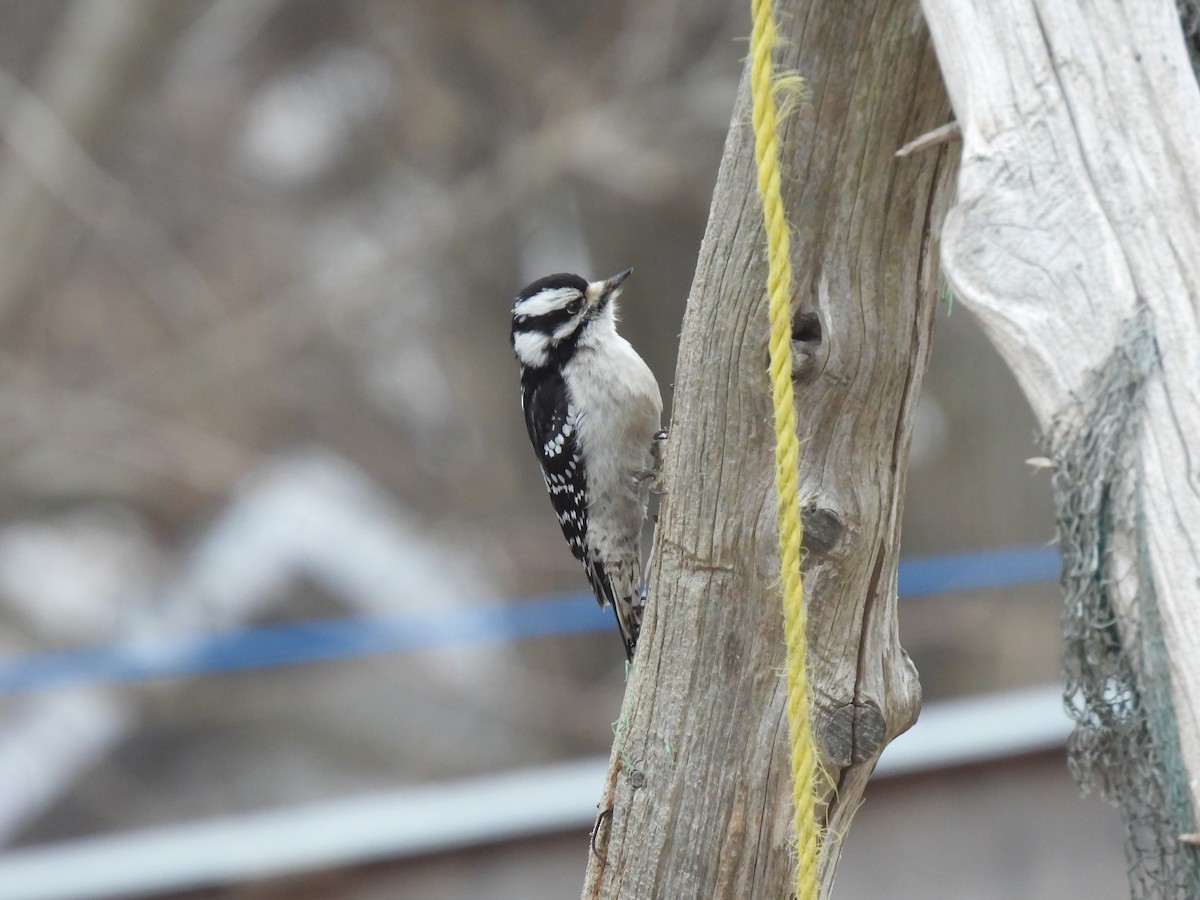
<point>617,585</point>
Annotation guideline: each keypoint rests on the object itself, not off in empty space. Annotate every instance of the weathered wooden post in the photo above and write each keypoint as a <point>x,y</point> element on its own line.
<point>1075,239</point>
<point>698,783</point>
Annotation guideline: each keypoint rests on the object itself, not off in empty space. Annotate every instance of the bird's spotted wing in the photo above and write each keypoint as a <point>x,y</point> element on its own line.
<point>551,425</point>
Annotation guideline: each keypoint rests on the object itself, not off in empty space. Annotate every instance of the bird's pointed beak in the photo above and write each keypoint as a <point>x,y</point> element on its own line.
<point>599,293</point>
<point>615,282</point>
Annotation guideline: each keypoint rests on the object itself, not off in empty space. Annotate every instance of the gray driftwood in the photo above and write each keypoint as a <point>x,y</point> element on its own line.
<point>1077,229</point>
<point>699,786</point>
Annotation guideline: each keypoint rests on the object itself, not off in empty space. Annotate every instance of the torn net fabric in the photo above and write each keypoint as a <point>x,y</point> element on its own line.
<point>1117,690</point>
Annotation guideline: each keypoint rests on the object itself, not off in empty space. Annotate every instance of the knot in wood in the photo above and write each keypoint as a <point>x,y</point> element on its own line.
<point>850,733</point>
<point>823,530</point>
<point>806,344</point>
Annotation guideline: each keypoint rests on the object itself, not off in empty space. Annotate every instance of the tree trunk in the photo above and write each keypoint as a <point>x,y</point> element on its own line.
<point>1076,240</point>
<point>699,780</point>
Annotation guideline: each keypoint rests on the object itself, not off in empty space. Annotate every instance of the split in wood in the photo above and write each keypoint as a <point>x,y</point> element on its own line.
<point>604,816</point>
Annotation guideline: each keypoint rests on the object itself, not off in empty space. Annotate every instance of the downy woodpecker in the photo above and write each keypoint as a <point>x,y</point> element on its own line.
<point>593,410</point>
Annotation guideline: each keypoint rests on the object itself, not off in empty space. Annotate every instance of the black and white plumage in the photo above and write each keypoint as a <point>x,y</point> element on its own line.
<point>592,409</point>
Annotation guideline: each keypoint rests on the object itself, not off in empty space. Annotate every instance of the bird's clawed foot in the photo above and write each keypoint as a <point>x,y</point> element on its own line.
<point>658,449</point>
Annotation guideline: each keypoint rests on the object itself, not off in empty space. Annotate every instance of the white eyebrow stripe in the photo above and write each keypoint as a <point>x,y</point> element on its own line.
<point>543,302</point>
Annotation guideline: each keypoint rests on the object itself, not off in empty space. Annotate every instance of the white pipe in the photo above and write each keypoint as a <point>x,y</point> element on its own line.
<point>977,729</point>
<point>453,815</point>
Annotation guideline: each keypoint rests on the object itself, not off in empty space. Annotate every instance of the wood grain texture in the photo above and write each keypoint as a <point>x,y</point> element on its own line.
<point>699,781</point>
<point>1078,217</point>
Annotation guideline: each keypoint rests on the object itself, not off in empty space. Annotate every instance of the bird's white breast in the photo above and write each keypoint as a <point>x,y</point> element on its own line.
<point>618,410</point>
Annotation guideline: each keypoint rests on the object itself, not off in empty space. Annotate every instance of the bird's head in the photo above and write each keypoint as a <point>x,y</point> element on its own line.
<point>552,316</point>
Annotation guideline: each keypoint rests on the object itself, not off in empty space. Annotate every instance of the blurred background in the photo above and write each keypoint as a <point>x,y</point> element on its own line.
<point>283,604</point>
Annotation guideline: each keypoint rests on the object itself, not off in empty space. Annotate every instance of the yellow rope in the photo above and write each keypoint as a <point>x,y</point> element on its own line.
<point>779,289</point>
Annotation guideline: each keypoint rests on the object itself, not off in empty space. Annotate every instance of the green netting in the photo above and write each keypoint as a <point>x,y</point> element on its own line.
<point>1118,690</point>
<point>1189,17</point>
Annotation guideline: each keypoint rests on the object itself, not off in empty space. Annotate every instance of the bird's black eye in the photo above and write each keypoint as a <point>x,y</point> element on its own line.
<point>574,306</point>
